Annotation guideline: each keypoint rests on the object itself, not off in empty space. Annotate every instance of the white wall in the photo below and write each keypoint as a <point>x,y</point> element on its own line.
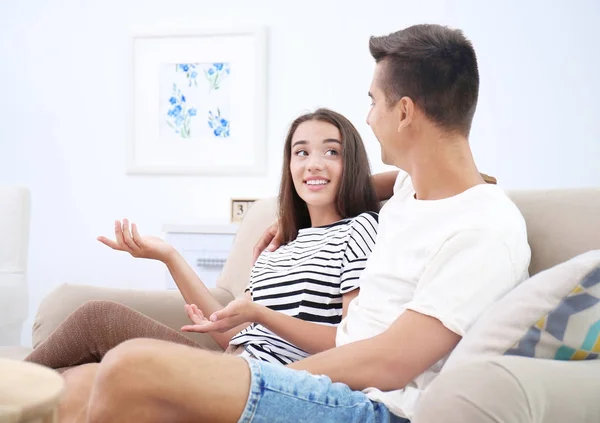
<point>65,69</point>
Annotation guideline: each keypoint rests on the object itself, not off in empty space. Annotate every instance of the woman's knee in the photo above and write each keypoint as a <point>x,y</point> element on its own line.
<point>94,310</point>
<point>98,306</point>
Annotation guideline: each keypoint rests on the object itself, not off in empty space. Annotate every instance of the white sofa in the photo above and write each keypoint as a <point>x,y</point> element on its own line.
<point>14,243</point>
<point>506,389</point>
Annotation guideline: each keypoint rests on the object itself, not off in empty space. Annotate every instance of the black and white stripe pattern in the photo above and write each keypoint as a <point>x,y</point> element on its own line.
<point>306,279</point>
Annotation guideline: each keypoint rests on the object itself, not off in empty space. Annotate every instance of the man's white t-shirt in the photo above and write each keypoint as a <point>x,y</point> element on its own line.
<point>449,259</point>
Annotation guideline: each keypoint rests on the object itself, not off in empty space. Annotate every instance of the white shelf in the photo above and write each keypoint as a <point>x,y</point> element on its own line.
<point>205,247</point>
<point>200,228</point>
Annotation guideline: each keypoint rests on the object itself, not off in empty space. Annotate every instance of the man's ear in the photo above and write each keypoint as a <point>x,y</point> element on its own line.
<point>406,112</point>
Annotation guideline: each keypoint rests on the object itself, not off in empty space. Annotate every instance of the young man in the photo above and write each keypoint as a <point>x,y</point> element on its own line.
<point>448,246</point>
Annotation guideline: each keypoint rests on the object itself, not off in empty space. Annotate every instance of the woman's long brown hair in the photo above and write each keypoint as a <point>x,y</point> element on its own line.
<point>356,193</point>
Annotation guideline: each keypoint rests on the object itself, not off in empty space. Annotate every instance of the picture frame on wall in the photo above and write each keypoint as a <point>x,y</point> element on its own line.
<point>239,208</point>
<point>199,102</point>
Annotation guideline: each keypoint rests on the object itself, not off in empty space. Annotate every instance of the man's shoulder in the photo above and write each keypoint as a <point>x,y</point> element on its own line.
<point>494,210</point>
<point>496,222</point>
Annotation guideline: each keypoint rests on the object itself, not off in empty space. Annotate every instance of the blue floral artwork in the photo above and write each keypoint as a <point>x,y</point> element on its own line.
<point>192,107</point>
<point>190,71</point>
<point>216,74</point>
<point>179,116</point>
<point>218,124</point>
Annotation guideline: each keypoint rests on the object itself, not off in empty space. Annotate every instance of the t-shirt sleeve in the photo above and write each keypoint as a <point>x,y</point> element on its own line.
<point>363,231</point>
<point>249,286</point>
<point>258,264</point>
<point>469,273</point>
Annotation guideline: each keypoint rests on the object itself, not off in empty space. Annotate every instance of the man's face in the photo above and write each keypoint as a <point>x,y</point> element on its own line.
<point>383,119</point>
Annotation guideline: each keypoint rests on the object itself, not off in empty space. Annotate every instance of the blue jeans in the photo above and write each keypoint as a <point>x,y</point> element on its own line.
<point>279,394</point>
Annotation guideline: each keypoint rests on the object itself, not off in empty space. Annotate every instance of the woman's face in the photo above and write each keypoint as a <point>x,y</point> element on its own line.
<point>316,165</point>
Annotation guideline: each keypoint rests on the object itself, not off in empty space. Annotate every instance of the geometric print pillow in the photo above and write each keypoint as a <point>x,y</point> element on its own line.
<point>553,315</point>
<point>572,330</point>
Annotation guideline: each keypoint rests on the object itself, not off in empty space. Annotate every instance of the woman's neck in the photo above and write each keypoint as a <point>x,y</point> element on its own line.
<point>321,216</point>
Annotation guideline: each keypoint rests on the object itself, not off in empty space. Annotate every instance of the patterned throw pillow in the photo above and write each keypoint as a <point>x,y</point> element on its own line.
<point>553,315</point>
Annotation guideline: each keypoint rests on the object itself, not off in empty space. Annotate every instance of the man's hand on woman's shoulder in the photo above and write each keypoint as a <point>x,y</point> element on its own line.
<point>270,241</point>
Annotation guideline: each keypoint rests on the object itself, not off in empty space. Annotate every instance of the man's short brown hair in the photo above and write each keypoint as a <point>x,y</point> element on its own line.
<point>436,67</point>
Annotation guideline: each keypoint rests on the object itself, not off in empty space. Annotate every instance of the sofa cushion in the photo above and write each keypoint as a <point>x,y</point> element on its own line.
<point>554,315</point>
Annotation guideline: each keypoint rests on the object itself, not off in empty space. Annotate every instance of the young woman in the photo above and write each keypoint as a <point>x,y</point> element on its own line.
<point>296,295</point>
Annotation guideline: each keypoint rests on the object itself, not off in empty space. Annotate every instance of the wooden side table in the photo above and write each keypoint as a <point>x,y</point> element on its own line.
<point>29,393</point>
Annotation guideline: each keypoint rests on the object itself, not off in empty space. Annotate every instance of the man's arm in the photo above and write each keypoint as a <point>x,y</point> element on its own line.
<point>310,336</point>
<point>468,274</point>
<point>389,361</point>
<point>383,183</point>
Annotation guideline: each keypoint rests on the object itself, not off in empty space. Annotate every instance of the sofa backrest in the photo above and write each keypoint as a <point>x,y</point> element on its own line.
<point>560,224</point>
<point>236,272</point>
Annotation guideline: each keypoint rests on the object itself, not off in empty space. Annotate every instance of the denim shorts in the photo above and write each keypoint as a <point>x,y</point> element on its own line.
<point>279,394</point>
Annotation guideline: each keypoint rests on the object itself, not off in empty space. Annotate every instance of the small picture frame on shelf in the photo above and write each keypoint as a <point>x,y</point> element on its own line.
<point>239,208</point>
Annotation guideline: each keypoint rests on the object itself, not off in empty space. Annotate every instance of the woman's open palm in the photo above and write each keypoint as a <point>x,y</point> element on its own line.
<point>129,240</point>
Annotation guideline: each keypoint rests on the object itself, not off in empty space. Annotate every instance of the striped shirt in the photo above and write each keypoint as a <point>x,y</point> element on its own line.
<point>306,279</point>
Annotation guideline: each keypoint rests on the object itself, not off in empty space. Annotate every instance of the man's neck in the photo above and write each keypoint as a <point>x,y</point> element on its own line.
<point>443,168</point>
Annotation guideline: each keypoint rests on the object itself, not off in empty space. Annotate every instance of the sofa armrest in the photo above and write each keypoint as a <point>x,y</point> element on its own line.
<point>512,389</point>
<point>164,306</point>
